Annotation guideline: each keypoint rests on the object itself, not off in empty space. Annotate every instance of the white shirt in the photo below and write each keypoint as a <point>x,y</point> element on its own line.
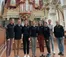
<point>51,29</point>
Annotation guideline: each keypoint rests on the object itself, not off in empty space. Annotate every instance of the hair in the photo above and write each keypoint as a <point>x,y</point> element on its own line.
<point>33,22</point>
<point>49,20</point>
<point>40,22</point>
<point>19,19</point>
<point>45,22</point>
<point>11,19</point>
<point>27,21</point>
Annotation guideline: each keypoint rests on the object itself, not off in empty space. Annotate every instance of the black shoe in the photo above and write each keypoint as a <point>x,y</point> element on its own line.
<point>42,55</point>
<point>62,54</point>
<point>34,56</point>
<point>59,53</point>
<point>48,55</point>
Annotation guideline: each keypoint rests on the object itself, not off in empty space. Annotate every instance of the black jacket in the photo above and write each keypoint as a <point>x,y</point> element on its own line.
<point>26,31</point>
<point>10,31</point>
<point>46,32</point>
<point>40,30</point>
<point>33,31</point>
<point>58,31</point>
<point>18,31</point>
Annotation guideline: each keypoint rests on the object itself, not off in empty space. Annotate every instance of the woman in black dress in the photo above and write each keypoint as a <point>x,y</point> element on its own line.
<point>18,33</point>
<point>10,36</point>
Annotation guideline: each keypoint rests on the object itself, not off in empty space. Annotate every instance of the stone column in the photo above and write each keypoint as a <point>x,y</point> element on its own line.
<point>65,17</point>
<point>63,4</point>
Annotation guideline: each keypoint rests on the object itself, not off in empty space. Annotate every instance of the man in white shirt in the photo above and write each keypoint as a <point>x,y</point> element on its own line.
<point>51,35</point>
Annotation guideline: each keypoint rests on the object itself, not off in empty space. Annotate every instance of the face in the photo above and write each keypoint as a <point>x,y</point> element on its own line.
<point>12,21</point>
<point>45,23</point>
<point>40,23</point>
<point>57,23</point>
<point>19,21</point>
<point>26,18</point>
<point>49,21</point>
<point>26,22</point>
<point>34,23</point>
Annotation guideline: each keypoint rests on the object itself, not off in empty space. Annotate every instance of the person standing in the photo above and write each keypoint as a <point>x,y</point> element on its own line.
<point>40,38</point>
<point>46,32</point>
<point>10,36</point>
<point>17,39</point>
<point>51,35</point>
<point>26,38</point>
<point>59,34</point>
<point>33,35</point>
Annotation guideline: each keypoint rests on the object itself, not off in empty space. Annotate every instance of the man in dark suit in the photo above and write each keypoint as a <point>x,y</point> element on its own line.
<point>18,33</point>
<point>10,36</point>
<point>59,33</point>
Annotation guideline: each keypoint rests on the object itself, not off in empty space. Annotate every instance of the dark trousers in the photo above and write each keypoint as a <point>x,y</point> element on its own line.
<point>47,41</point>
<point>8,49</point>
<point>41,42</point>
<point>26,44</point>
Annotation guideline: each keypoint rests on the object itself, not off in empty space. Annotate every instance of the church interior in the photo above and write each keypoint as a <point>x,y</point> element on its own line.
<point>37,10</point>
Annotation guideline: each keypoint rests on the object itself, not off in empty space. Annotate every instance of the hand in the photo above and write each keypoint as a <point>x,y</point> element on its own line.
<point>47,40</point>
<point>8,39</point>
<point>63,37</point>
<point>29,39</point>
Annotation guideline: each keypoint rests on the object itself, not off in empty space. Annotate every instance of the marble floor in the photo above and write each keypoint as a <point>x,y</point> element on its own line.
<point>38,52</point>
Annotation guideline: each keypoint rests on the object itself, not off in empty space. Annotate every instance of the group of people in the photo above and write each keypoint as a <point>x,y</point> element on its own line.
<point>33,33</point>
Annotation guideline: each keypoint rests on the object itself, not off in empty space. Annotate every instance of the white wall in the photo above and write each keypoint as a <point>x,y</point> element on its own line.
<point>65,18</point>
<point>63,2</point>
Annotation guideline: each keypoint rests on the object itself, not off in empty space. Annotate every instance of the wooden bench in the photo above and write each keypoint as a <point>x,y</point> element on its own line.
<point>2,39</point>
<point>2,36</point>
